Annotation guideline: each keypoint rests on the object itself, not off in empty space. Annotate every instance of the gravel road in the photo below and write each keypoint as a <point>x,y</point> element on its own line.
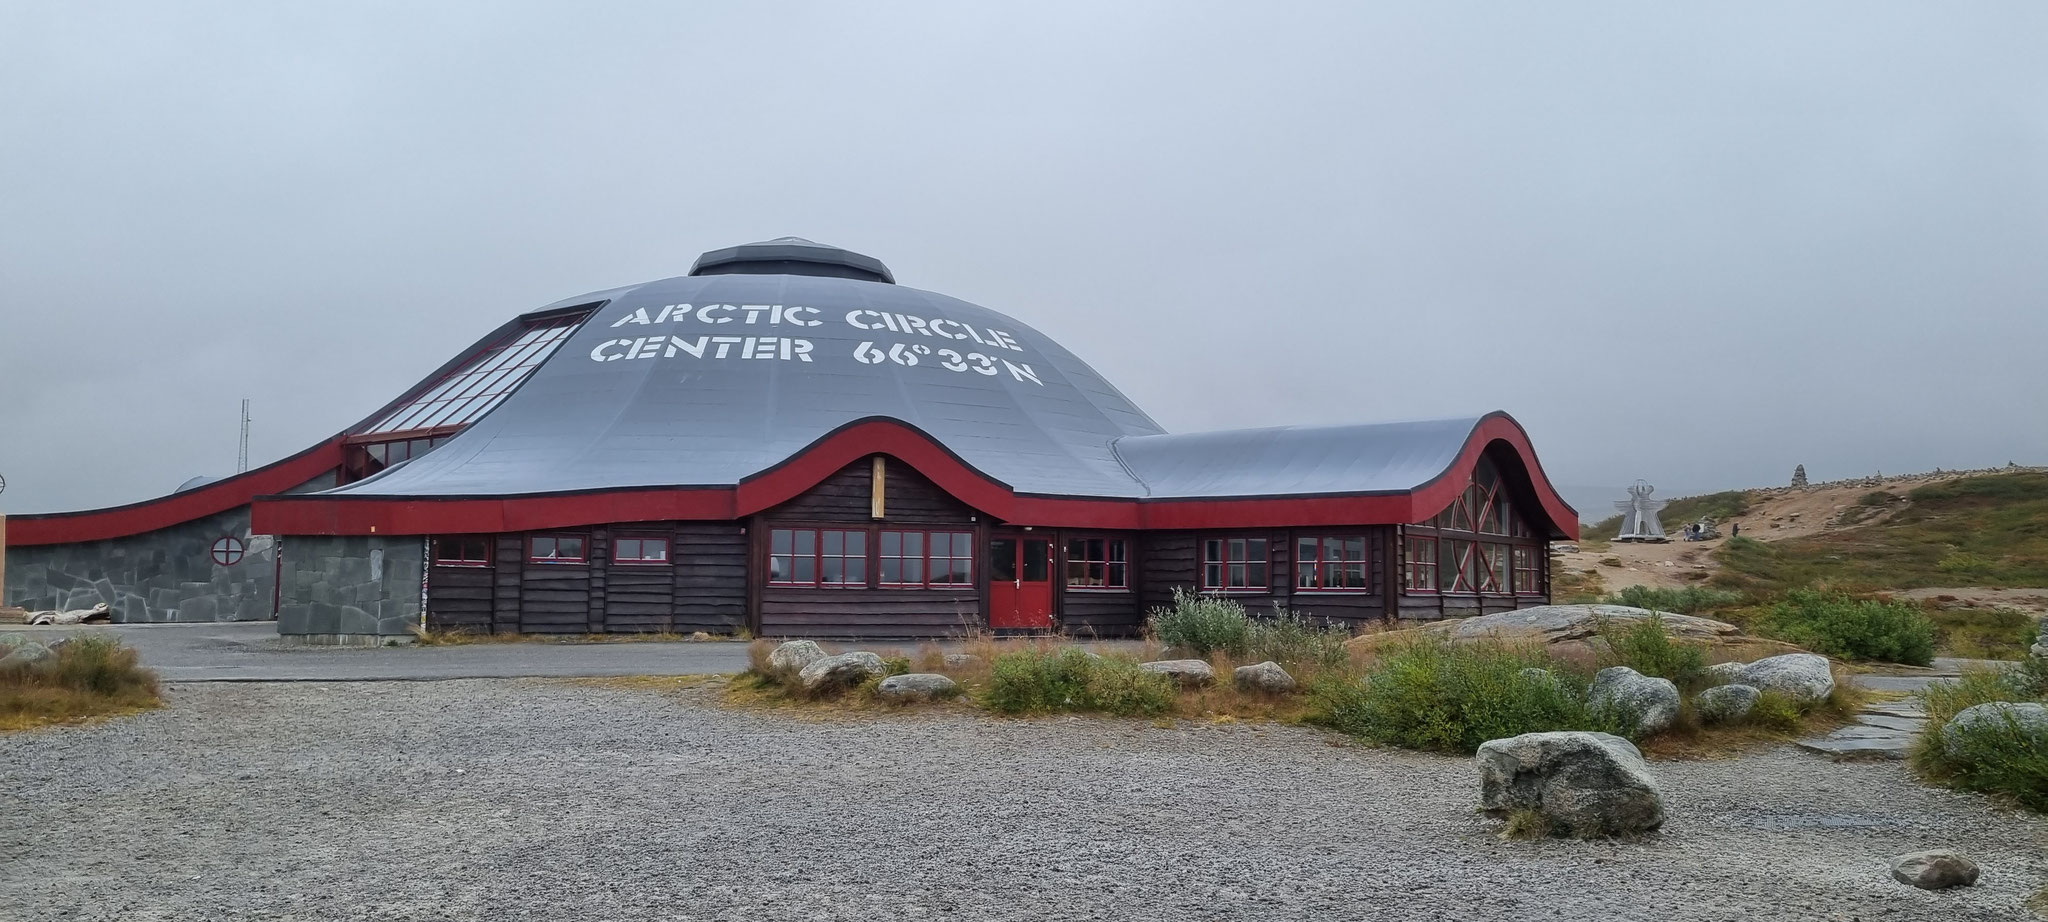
<point>541,799</point>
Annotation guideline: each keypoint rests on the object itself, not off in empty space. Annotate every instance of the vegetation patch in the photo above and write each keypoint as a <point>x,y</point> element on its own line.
<point>1448,697</point>
<point>1045,682</point>
<point>1644,645</point>
<point>1688,600</point>
<point>2002,757</point>
<point>1844,626</point>
<point>1206,625</point>
<point>91,676</point>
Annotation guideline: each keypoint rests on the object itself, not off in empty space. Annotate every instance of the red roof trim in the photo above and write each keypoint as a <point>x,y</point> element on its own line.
<point>177,508</point>
<point>302,515</point>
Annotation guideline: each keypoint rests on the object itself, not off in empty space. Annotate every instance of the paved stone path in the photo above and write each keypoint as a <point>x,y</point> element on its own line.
<point>1887,729</point>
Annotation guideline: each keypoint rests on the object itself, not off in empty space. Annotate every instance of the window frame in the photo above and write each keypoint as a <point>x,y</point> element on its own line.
<point>483,541</point>
<point>1116,552</point>
<point>1264,561</point>
<point>1322,566</point>
<point>667,551</point>
<point>818,556</point>
<point>557,536</point>
<point>1537,560</point>
<point>1411,567</point>
<point>926,558</point>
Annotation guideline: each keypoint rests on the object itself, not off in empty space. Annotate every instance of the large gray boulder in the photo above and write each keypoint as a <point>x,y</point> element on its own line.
<point>1187,672</point>
<point>23,655</point>
<point>1725,673</point>
<point>1266,677</point>
<point>1934,870</point>
<point>1726,704</point>
<point>1804,677</point>
<point>916,686</point>
<point>1585,784</point>
<point>837,672</point>
<point>1651,702</point>
<point>793,656</point>
<point>2023,717</point>
<point>1576,628</point>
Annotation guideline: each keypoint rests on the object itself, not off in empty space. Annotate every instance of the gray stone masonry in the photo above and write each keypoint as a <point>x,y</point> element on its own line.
<point>158,576</point>
<point>351,588</point>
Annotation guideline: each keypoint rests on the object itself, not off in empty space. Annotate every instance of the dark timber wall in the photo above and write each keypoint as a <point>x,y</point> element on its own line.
<point>702,587</point>
<point>843,500</point>
<point>1173,560</point>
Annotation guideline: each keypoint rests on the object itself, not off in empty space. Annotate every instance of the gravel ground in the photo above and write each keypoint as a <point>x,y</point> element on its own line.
<point>533,799</point>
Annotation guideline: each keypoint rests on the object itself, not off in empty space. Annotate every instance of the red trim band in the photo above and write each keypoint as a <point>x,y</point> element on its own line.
<point>177,508</point>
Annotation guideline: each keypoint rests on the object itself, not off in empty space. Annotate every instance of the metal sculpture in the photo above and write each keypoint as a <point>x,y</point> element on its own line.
<point>1639,515</point>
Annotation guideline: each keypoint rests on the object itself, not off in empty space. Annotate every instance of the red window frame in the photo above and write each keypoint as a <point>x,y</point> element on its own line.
<point>1528,570</point>
<point>1225,557</point>
<point>639,551</point>
<point>1323,560</point>
<point>468,551</point>
<point>909,558</point>
<point>1098,564</point>
<point>554,542</point>
<point>479,384</point>
<point>1420,568</point>
<point>809,551</point>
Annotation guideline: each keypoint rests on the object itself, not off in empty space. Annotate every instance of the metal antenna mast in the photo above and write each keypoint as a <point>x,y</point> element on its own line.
<point>242,459</point>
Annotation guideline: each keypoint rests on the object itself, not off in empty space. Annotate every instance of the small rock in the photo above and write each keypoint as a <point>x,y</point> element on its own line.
<point>1726,703</point>
<point>795,655</point>
<point>834,672</point>
<point>23,655</point>
<point>1265,677</point>
<point>2025,717</point>
<point>916,686</point>
<point>1188,672</point>
<point>700,636</point>
<point>1804,677</point>
<point>1585,784</point>
<point>1934,870</point>
<point>1653,702</point>
<point>961,661</point>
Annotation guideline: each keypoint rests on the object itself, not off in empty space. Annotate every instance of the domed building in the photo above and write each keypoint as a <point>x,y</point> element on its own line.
<point>787,442</point>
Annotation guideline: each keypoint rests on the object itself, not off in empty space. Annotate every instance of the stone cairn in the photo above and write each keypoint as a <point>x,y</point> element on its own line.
<point>1799,477</point>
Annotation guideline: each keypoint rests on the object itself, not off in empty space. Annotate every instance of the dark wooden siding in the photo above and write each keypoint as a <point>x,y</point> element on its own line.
<point>710,577</point>
<point>910,499</point>
<point>849,613</point>
<point>459,599</point>
<point>506,584</point>
<point>554,598</point>
<point>1172,561</point>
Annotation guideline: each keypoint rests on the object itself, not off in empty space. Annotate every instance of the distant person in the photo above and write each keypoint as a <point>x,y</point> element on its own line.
<point>1735,530</point>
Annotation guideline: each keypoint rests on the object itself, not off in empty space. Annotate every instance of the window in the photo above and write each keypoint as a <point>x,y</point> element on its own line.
<point>1528,571</point>
<point>1456,575</point>
<point>640,550</point>
<point>365,459</point>
<point>462,551</point>
<point>1330,563</point>
<point>914,559</point>
<point>557,549</point>
<point>1421,563</point>
<point>828,558</point>
<point>478,385</point>
<point>1097,563</point>
<point>1234,563</point>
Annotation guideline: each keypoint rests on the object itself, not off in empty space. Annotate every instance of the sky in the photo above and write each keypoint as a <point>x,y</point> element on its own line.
<point>1694,244</point>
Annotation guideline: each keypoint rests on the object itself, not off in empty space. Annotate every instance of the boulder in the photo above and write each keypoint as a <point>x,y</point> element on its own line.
<point>1265,677</point>
<point>1725,673</point>
<point>23,655</point>
<point>700,636</point>
<point>961,661</point>
<point>1652,702</point>
<point>1803,677</point>
<point>1934,870</point>
<point>1726,704</point>
<point>1188,672</point>
<point>2025,717</point>
<point>916,686</point>
<point>2040,647</point>
<point>835,672</point>
<point>1571,630</point>
<point>794,655</point>
<point>1584,784</point>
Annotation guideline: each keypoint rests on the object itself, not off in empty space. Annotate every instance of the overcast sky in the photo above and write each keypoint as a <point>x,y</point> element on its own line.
<point>1689,244</point>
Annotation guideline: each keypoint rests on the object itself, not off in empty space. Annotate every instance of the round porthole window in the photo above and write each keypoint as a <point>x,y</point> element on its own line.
<point>228,551</point>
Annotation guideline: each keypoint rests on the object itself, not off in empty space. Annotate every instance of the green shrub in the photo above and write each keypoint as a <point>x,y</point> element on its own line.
<point>896,665</point>
<point>1998,757</point>
<point>1643,645</point>
<point>1042,682</point>
<point>1845,626</point>
<point>1965,563</point>
<point>1202,624</point>
<point>1291,638</point>
<point>1689,600</point>
<point>1878,498</point>
<point>1446,697</point>
<point>1775,710</point>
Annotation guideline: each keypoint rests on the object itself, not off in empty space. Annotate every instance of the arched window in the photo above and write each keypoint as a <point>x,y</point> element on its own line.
<point>1480,544</point>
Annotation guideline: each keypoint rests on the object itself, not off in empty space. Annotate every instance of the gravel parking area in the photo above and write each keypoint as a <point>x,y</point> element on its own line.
<point>535,799</point>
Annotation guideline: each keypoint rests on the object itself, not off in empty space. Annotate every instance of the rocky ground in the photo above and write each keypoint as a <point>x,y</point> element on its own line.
<point>541,799</point>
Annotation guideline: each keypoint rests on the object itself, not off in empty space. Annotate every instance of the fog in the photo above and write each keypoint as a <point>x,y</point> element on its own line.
<point>1694,245</point>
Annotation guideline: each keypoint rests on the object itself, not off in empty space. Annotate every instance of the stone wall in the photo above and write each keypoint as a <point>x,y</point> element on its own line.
<point>355,587</point>
<point>164,575</point>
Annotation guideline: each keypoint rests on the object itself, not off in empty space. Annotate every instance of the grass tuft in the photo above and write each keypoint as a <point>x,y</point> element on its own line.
<point>92,675</point>
<point>1690,600</point>
<point>1434,695</point>
<point>1526,823</point>
<point>1644,645</point>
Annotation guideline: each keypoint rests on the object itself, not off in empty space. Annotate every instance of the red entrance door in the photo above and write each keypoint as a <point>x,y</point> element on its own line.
<point>1020,582</point>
